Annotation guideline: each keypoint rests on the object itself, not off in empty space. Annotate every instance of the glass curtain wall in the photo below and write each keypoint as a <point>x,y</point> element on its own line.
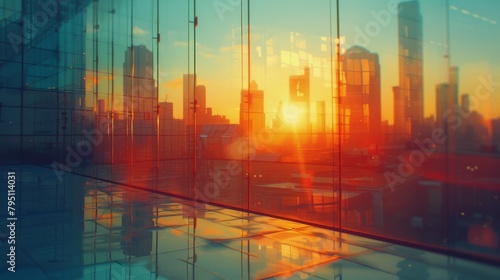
<point>373,117</point>
<point>471,180</point>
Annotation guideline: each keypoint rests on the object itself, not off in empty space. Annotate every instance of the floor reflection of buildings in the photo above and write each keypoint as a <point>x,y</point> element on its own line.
<point>257,249</point>
<point>49,233</point>
<point>125,233</point>
<point>127,212</point>
<point>137,220</point>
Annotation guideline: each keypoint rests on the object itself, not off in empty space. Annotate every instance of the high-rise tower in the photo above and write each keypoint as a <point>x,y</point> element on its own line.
<point>252,108</point>
<point>411,66</point>
<point>139,92</point>
<point>361,107</point>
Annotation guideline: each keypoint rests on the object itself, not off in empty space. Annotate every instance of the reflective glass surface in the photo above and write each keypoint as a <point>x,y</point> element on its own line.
<point>369,118</point>
<point>118,232</point>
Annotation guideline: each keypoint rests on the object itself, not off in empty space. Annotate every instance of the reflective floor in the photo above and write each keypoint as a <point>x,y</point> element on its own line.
<point>116,232</point>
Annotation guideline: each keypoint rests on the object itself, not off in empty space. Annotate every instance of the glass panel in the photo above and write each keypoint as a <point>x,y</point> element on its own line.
<point>291,109</point>
<point>471,181</point>
<point>221,75</point>
<point>373,117</point>
<point>395,55</point>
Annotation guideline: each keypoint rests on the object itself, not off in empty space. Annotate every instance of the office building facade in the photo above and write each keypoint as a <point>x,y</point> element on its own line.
<point>147,132</point>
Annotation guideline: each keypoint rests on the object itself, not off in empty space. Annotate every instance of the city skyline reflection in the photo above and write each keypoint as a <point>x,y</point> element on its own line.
<point>361,117</point>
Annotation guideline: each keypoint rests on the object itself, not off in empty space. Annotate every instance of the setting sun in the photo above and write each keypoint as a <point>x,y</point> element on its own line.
<point>293,114</point>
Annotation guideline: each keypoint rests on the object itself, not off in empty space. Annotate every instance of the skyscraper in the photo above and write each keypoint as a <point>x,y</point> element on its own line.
<point>361,104</point>
<point>410,66</point>
<point>442,92</point>
<point>465,103</point>
<point>188,84</point>
<point>400,120</point>
<point>452,104</point>
<point>252,108</point>
<point>195,96</point>
<point>201,103</point>
<point>101,106</point>
<point>447,104</point>
<point>139,92</point>
<point>453,80</point>
<point>140,104</point>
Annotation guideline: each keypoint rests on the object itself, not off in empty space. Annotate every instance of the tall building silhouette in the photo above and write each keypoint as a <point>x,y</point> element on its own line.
<point>252,108</point>
<point>453,80</point>
<point>400,120</point>
<point>361,104</point>
<point>410,50</point>
<point>172,141</point>
<point>140,105</point>
<point>452,104</point>
<point>101,107</point>
<point>195,96</point>
<point>188,85</point>
<point>446,106</point>
<point>442,93</point>
<point>200,92</point>
<point>139,92</point>
<point>465,103</point>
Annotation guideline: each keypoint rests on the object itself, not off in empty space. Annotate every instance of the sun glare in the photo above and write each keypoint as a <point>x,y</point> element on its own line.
<point>293,114</point>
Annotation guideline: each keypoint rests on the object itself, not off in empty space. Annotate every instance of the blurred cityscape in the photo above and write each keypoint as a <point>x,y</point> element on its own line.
<point>341,139</point>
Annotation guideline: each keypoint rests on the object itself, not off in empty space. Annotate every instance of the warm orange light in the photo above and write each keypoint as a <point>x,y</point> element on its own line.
<point>292,114</point>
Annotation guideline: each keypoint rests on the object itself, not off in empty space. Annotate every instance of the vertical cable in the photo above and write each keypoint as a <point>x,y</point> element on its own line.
<point>96,77</point>
<point>248,107</point>
<point>339,102</point>
<point>241,44</point>
<point>242,57</point>
<point>189,117</point>
<point>195,148</point>
<point>447,148</point>
<point>157,91</point>
<point>112,83</point>
<point>187,111</point>
<point>58,117</point>
<point>132,75</point>
<point>131,219</point>
<point>109,18</point>
<point>332,97</point>
<point>157,123</point>
<point>241,114</point>
<point>249,134</point>
<point>23,81</point>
